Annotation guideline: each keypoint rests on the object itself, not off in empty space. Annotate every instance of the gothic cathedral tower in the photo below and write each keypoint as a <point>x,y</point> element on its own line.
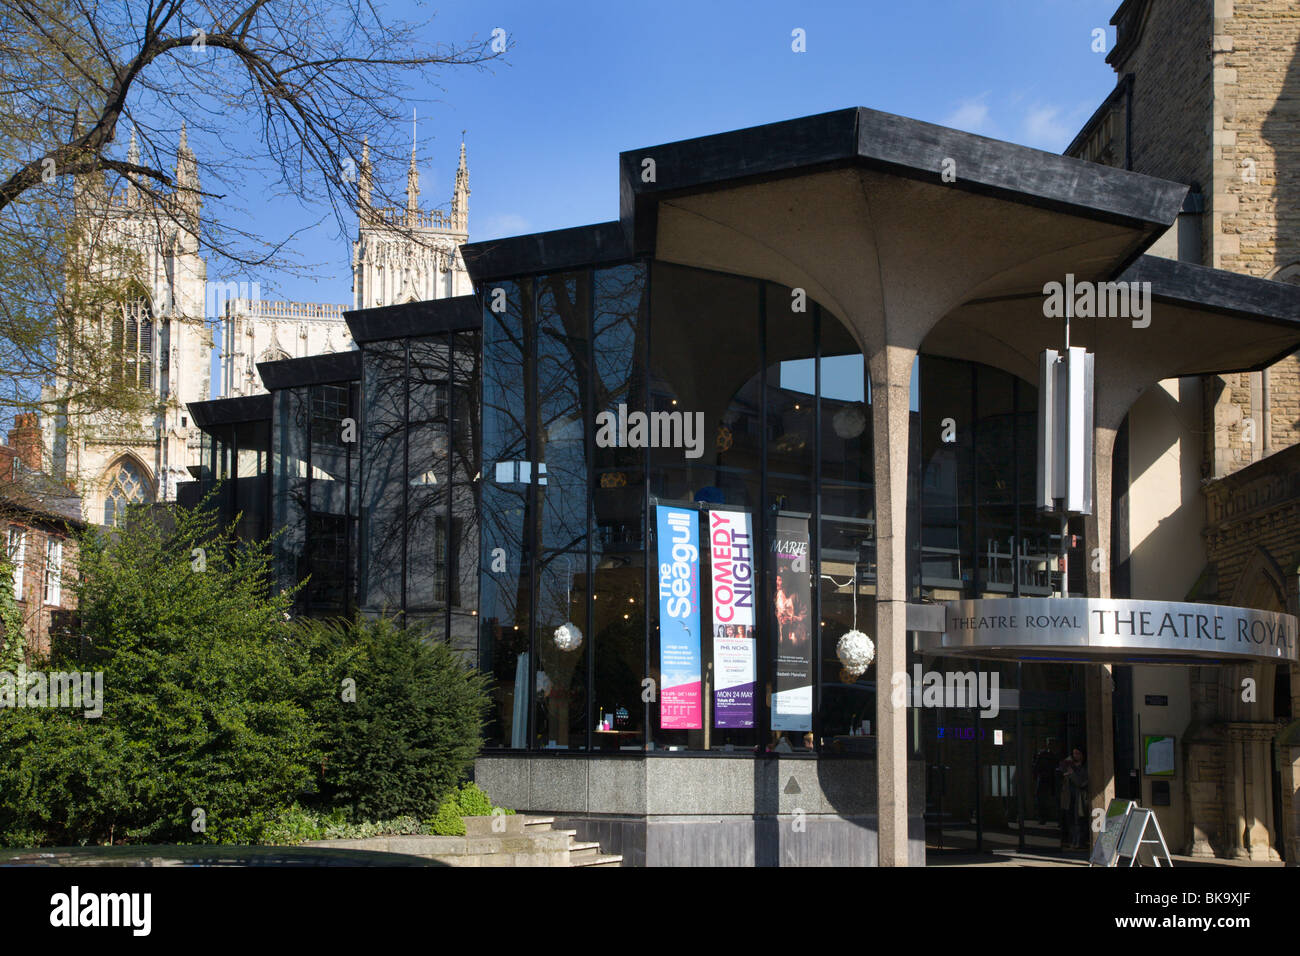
<point>410,254</point>
<point>159,342</point>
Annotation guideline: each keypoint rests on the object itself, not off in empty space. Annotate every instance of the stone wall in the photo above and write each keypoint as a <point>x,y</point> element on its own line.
<point>1165,47</point>
<point>1252,533</point>
<point>709,810</point>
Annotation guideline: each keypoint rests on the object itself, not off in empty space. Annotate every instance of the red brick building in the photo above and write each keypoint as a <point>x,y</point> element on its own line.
<point>39,520</point>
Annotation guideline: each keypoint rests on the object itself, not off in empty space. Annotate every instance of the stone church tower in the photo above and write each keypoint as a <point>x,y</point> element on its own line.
<point>400,255</point>
<point>164,337</point>
<point>409,254</point>
<point>160,342</point>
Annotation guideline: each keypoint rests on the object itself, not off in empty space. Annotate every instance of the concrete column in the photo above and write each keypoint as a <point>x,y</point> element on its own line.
<point>1099,688</point>
<point>1237,783</point>
<point>1099,684</point>
<point>891,376</point>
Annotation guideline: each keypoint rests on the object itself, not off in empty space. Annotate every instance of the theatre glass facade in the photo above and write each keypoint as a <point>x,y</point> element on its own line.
<point>652,473</point>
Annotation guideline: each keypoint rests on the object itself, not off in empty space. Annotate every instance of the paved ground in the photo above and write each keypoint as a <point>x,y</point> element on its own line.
<point>204,856</point>
<point>1013,858</point>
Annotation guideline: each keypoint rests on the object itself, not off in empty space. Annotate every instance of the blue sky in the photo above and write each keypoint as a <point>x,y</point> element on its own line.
<point>584,81</point>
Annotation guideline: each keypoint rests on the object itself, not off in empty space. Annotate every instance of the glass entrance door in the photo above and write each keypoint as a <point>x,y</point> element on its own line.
<point>994,783</point>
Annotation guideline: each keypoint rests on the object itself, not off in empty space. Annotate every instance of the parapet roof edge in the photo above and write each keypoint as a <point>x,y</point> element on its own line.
<point>855,136</point>
<point>1217,290</point>
<point>899,145</point>
<point>459,313</point>
<point>311,370</point>
<point>229,411</point>
<point>595,244</point>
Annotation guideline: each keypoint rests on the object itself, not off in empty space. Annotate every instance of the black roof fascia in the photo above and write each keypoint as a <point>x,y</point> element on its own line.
<point>900,146</point>
<point>598,244</point>
<point>311,370</point>
<point>1216,290</point>
<point>231,411</point>
<point>459,313</point>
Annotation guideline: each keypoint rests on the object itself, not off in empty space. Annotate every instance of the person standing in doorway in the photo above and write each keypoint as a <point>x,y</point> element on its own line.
<point>1074,800</point>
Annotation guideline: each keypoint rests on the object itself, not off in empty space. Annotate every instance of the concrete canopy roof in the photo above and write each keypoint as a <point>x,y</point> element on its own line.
<point>1202,321</point>
<point>853,207</point>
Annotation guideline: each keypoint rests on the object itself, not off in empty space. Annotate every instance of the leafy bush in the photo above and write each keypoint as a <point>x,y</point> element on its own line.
<point>215,700</point>
<point>203,678</point>
<point>473,801</point>
<point>447,821</point>
<point>298,825</point>
<point>412,730</point>
<point>62,779</point>
<point>470,800</point>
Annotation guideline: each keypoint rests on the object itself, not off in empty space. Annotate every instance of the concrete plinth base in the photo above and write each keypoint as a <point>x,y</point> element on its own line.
<point>708,811</point>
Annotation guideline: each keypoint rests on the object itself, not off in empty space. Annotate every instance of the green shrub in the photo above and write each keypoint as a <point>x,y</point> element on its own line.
<point>203,682</point>
<point>62,779</point>
<point>473,801</point>
<point>412,731</point>
<point>447,821</point>
<point>215,701</point>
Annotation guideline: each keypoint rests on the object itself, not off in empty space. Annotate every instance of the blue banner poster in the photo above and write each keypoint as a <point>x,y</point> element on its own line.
<point>680,704</point>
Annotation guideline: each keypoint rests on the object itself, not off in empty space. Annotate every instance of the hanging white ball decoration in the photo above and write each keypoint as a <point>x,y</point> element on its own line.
<point>568,637</point>
<point>543,684</point>
<point>850,421</point>
<point>856,651</point>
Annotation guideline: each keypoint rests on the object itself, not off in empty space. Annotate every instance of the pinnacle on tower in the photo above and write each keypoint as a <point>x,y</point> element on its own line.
<point>460,197</point>
<point>365,180</point>
<point>412,181</point>
<point>133,157</point>
<point>186,191</point>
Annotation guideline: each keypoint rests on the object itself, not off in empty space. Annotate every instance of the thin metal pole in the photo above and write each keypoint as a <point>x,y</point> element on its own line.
<point>450,546</point>
<point>768,649</point>
<point>589,391</point>
<point>816,558</point>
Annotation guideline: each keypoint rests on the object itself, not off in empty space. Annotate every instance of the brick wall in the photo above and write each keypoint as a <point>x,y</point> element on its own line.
<point>41,620</point>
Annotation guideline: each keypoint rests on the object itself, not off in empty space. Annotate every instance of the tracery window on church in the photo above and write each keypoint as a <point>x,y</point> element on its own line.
<point>131,339</point>
<point>127,485</point>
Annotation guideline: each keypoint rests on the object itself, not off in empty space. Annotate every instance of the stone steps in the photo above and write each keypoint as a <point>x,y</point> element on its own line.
<point>502,840</point>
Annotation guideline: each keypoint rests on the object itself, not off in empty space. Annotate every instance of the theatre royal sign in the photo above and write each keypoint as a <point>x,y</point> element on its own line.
<point>1097,629</point>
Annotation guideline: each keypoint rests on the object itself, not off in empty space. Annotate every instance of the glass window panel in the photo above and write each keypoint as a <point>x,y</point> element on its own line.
<point>428,478</point>
<point>253,442</point>
<point>994,456</point>
<point>383,529</point>
<point>505,589</point>
<point>845,406</point>
<point>289,506</point>
<point>619,610</point>
<point>618,352</point>
<point>791,384</point>
<point>704,367</point>
<point>464,464</point>
<point>946,435</point>
<point>563,318</point>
